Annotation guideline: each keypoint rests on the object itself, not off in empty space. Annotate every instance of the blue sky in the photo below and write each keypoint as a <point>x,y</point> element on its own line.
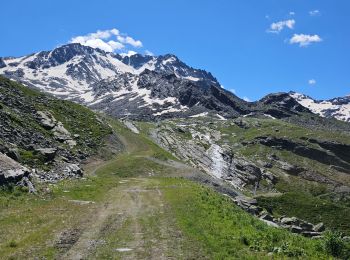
<point>252,47</point>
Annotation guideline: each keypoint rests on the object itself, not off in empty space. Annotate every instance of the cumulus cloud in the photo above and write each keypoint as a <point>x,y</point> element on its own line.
<point>107,40</point>
<point>314,12</point>
<point>291,13</point>
<point>279,26</point>
<point>312,81</point>
<point>304,39</point>
<point>129,40</point>
<point>149,53</point>
<point>246,99</point>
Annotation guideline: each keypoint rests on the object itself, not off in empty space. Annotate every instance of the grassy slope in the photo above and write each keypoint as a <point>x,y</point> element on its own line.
<point>227,232</point>
<point>305,199</point>
<point>220,228</point>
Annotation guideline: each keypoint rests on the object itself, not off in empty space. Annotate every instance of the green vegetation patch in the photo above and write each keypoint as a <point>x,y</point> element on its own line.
<point>227,232</point>
<point>310,208</point>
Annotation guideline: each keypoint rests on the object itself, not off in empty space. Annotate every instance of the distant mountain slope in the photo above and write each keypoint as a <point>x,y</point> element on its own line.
<point>338,108</point>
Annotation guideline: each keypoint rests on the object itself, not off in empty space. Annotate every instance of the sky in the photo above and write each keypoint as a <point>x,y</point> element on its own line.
<point>252,47</point>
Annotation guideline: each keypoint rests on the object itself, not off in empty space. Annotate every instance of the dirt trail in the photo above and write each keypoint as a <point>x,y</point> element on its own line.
<point>132,224</point>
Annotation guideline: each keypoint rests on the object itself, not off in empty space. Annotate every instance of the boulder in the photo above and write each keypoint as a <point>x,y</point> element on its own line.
<point>289,221</point>
<point>306,226</point>
<point>266,216</point>
<point>72,170</point>
<point>319,227</point>
<point>296,229</point>
<point>46,119</point>
<point>48,153</point>
<point>11,171</point>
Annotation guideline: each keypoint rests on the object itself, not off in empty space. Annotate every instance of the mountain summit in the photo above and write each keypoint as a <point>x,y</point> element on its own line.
<point>134,86</point>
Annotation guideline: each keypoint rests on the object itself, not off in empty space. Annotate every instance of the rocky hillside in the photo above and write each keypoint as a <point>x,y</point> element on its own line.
<point>285,165</point>
<point>42,137</point>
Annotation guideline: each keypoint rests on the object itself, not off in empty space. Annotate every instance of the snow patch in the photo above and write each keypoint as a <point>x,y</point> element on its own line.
<point>200,115</point>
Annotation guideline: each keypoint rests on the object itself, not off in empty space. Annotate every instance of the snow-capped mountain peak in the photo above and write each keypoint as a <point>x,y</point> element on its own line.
<point>99,79</point>
<point>338,108</point>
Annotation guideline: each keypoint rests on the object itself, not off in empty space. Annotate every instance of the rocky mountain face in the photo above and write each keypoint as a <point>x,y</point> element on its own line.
<point>42,137</point>
<point>338,108</point>
<point>137,86</point>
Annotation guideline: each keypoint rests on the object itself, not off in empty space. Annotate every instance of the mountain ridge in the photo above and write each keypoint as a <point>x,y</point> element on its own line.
<point>142,86</point>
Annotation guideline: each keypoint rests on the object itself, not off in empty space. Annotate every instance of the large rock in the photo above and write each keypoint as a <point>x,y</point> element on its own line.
<point>47,120</point>
<point>48,153</point>
<point>319,227</point>
<point>11,171</point>
<point>289,221</point>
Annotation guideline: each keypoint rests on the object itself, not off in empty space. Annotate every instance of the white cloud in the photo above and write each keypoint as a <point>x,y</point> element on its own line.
<point>279,26</point>
<point>246,99</point>
<point>232,90</point>
<point>129,53</point>
<point>98,43</point>
<point>304,39</point>
<point>314,12</point>
<point>312,81</point>
<point>291,13</point>
<point>107,40</point>
<point>149,53</point>
<point>115,45</point>
<point>129,40</point>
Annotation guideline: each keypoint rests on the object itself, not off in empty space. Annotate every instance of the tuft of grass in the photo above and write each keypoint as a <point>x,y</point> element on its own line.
<point>12,243</point>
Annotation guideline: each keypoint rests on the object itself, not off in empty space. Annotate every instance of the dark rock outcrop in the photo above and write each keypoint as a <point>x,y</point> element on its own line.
<point>320,155</point>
